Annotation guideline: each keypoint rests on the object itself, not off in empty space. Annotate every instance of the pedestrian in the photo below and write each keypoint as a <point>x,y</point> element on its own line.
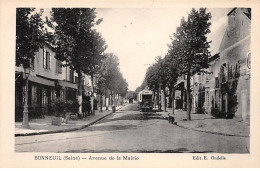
<point>88,107</point>
<point>84,108</point>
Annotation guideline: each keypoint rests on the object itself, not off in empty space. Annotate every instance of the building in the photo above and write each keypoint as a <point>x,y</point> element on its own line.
<point>224,86</point>
<point>204,87</point>
<point>235,59</point>
<point>48,80</point>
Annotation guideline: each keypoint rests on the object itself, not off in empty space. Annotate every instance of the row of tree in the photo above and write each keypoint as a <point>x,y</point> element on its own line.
<point>110,80</point>
<point>188,54</point>
<point>71,32</point>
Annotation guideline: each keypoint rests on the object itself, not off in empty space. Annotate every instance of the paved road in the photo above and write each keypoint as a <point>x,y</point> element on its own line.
<point>129,130</point>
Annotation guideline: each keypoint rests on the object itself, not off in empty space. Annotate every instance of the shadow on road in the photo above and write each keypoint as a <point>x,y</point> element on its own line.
<point>112,125</point>
<point>133,116</point>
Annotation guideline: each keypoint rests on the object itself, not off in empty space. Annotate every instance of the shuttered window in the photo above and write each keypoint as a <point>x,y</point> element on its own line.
<point>46,59</point>
<point>71,76</point>
<point>58,67</point>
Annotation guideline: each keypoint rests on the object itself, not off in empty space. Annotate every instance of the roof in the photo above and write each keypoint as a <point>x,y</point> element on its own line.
<point>146,92</point>
<point>231,11</point>
<point>246,11</point>
<point>49,46</point>
<point>214,57</point>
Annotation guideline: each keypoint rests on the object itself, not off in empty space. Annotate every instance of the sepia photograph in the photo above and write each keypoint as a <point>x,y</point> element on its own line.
<point>140,84</point>
<point>96,80</point>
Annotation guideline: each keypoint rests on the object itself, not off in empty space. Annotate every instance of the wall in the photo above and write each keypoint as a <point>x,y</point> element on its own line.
<point>39,70</point>
<point>234,50</point>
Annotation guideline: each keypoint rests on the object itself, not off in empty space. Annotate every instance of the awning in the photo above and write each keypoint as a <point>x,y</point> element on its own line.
<point>40,80</point>
<point>67,84</point>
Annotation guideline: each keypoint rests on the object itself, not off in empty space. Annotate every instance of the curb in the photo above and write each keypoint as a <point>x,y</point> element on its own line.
<point>211,132</point>
<point>67,130</point>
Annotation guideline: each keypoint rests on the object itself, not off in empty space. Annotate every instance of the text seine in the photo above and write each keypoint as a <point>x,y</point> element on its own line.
<point>56,158</point>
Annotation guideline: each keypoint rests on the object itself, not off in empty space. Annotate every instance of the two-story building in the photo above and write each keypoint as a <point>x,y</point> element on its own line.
<point>48,80</point>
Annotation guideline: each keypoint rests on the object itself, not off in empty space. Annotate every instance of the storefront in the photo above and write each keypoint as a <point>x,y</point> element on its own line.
<point>40,94</point>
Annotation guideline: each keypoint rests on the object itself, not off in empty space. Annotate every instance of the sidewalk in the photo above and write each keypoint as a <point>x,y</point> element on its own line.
<point>44,126</point>
<point>209,124</point>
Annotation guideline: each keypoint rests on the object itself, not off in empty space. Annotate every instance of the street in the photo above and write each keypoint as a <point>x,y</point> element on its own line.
<point>130,131</point>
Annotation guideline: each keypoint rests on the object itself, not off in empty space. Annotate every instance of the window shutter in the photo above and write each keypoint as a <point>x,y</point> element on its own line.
<point>44,58</point>
<point>56,69</point>
<point>49,61</point>
<point>60,67</point>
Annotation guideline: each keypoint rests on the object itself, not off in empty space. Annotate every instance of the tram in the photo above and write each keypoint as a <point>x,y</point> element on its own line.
<point>145,100</point>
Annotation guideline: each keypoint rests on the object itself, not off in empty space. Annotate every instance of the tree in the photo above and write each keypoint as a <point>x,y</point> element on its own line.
<point>77,42</point>
<point>114,81</point>
<point>172,70</point>
<point>130,95</point>
<point>137,90</point>
<point>100,88</point>
<point>110,75</point>
<point>156,79</point>
<point>30,35</point>
<point>151,77</point>
<point>122,86</point>
<point>193,45</point>
<point>29,38</point>
<point>162,78</point>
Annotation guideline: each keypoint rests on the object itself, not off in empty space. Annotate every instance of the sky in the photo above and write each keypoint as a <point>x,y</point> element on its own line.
<point>137,36</point>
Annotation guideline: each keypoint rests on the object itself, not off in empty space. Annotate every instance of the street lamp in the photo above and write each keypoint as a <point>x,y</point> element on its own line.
<point>25,123</point>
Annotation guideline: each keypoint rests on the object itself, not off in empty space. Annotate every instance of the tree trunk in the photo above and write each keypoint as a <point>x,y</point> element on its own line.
<point>188,97</point>
<point>163,99</point>
<point>111,99</point>
<point>173,98</point>
<point>117,99</point>
<point>92,95</point>
<point>154,99</point>
<point>101,103</point>
<point>114,99</point>
<point>80,91</point>
<point>159,98</point>
<point>170,97</point>
<point>106,102</point>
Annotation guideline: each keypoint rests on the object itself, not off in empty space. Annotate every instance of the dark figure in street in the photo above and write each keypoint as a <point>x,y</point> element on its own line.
<point>88,107</point>
<point>171,118</point>
<point>84,108</point>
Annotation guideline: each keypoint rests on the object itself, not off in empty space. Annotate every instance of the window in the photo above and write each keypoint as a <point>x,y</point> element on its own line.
<point>223,73</point>
<point>58,67</point>
<point>76,80</point>
<point>71,76</point>
<point>46,59</point>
